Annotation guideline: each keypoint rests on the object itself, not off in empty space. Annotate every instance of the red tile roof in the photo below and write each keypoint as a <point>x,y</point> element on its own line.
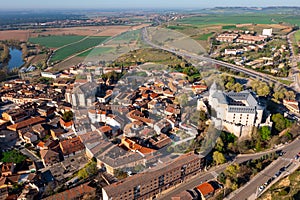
<point>105,129</point>
<point>74,193</point>
<point>205,188</point>
<point>71,146</point>
<point>25,123</point>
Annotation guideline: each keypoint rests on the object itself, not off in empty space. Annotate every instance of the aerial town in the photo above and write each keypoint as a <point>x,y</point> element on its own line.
<point>150,104</point>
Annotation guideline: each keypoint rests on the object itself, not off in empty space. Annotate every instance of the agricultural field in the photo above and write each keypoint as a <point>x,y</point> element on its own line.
<point>78,47</point>
<point>204,36</point>
<point>240,19</point>
<point>55,41</point>
<point>96,52</point>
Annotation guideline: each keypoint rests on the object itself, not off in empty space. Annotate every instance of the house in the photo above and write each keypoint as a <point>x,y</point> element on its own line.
<point>46,111</point>
<point>267,32</point>
<point>107,130</point>
<point>7,136</point>
<point>15,115</point>
<point>26,123</point>
<point>198,89</point>
<point>39,130</point>
<point>57,132</point>
<point>227,37</point>
<point>49,157</point>
<point>30,137</point>
<point>30,191</point>
<point>74,193</point>
<point>7,169</point>
<point>292,105</point>
<point>71,146</point>
<point>206,190</point>
<point>66,124</point>
<point>50,75</point>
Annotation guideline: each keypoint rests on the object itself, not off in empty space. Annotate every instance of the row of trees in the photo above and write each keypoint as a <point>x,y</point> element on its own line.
<point>279,93</point>
<point>231,84</point>
<point>4,58</point>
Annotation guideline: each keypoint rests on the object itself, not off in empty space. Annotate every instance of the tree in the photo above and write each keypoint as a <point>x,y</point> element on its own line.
<point>237,87</point>
<point>219,145</point>
<point>232,170</point>
<point>24,51</point>
<point>13,156</point>
<point>67,116</point>
<point>218,157</point>
<point>265,133</point>
<point>280,122</point>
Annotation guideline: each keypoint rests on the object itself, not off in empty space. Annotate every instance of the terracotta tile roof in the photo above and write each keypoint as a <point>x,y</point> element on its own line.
<point>105,129</point>
<point>26,123</point>
<point>71,146</point>
<point>205,188</point>
<point>41,144</point>
<point>74,193</point>
<point>65,124</point>
<point>136,147</point>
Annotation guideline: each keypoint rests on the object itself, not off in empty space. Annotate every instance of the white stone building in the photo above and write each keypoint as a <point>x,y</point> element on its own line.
<point>237,111</point>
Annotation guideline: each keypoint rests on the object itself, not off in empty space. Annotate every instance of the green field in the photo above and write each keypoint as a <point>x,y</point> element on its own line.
<point>72,49</point>
<point>55,41</point>
<point>205,36</point>
<point>240,19</point>
<point>177,27</point>
<point>297,36</point>
<point>229,27</point>
<point>96,51</point>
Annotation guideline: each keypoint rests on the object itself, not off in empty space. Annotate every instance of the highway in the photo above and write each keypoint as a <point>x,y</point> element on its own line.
<point>249,72</point>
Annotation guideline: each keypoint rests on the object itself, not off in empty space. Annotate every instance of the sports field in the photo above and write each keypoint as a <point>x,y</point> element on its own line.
<point>72,49</point>
<point>55,41</point>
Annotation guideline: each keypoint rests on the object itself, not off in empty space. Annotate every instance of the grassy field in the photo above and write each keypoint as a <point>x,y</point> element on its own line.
<point>297,36</point>
<point>72,49</point>
<point>204,36</point>
<point>96,51</point>
<point>149,55</point>
<point>229,27</point>
<point>55,41</point>
<point>240,19</point>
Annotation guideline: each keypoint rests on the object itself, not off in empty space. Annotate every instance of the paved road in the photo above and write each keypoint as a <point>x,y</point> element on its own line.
<point>244,70</point>
<point>291,150</point>
<point>249,189</point>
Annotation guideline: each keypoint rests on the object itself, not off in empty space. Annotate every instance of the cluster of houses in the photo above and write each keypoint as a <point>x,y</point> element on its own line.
<point>242,43</point>
<point>246,37</point>
<point>61,125</point>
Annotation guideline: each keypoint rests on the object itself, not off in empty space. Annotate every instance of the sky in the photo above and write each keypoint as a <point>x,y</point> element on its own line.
<point>98,4</point>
